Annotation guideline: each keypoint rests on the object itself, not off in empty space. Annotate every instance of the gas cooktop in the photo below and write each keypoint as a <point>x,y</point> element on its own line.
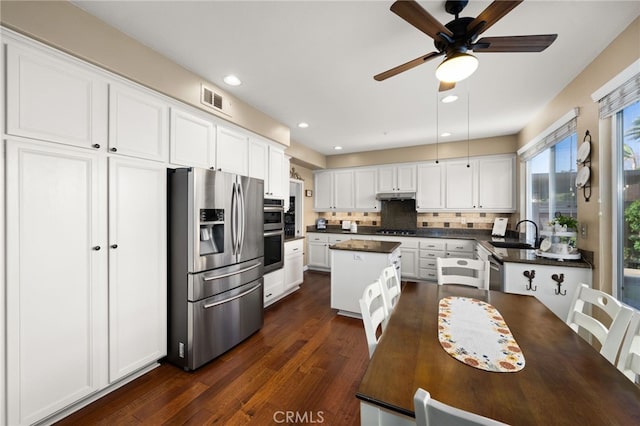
<point>396,231</point>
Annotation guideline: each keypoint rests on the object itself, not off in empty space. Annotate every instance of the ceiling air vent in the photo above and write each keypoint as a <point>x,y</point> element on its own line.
<point>213,100</point>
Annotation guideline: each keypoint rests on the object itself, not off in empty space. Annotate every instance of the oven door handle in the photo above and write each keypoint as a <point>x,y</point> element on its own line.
<point>273,209</point>
<point>217,277</point>
<point>238,296</point>
<point>273,233</point>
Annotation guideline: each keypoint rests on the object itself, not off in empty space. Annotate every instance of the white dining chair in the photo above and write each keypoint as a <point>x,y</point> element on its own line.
<point>430,412</point>
<point>390,287</point>
<point>374,313</point>
<point>629,360</point>
<point>449,271</point>
<point>609,337</point>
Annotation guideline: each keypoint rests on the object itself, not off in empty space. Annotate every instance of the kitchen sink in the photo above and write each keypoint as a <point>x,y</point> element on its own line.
<point>511,245</point>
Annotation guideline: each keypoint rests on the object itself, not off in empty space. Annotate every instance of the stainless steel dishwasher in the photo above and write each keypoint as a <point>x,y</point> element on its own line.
<point>496,274</point>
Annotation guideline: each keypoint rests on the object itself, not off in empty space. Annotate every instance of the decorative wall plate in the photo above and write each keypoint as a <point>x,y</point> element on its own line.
<point>583,152</point>
<point>582,178</point>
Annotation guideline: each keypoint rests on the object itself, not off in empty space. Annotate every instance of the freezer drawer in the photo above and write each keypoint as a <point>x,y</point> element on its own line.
<point>219,323</point>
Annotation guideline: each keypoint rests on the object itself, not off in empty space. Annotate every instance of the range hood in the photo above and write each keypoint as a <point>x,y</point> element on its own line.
<point>396,196</point>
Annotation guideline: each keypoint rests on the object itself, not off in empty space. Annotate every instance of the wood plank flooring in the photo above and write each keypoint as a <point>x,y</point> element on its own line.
<point>303,367</point>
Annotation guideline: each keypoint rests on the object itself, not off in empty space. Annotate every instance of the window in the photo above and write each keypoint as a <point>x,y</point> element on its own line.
<point>627,157</point>
<point>551,177</point>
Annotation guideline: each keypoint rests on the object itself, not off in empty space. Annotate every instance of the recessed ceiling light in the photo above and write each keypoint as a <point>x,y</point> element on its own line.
<point>303,125</point>
<point>445,134</point>
<point>450,98</point>
<point>337,148</point>
<point>232,80</point>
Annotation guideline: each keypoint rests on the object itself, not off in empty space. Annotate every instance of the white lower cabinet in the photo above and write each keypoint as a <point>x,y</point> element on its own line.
<point>137,265</point>
<point>293,264</point>
<point>409,257</point>
<point>544,284</point>
<point>430,250</point>
<point>84,307</point>
<point>318,251</point>
<point>280,283</point>
<point>56,279</point>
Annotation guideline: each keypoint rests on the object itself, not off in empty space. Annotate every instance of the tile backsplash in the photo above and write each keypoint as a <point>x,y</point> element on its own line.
<point>425,220</point>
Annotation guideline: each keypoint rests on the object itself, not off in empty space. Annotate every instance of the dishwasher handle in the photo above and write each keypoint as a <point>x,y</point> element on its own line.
<point>238,296</point>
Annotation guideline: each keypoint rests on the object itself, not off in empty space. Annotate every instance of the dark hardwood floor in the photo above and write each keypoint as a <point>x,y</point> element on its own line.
<point>305,363</point>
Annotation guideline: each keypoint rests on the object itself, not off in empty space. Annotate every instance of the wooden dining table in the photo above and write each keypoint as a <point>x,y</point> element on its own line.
<point>564,381</point>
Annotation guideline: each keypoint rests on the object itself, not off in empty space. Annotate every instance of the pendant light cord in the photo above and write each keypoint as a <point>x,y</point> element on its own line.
<point>468,119</point>
<point>437,126</point>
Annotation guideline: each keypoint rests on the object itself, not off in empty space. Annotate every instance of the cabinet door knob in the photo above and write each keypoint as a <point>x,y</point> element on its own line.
<point>114,246</point>
<point>96,145</point>
<point>96,248</point>
<point>114,149</point>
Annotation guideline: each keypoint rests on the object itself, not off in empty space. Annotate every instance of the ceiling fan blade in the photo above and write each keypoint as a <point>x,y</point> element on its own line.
<point>406,66</point>
<point>492,14</point>
<point>444,86</point>
<point>530,43</point>
<point>414,14</point>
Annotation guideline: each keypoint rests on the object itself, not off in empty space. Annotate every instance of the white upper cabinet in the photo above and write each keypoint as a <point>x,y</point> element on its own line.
<point>232,151</point>
<point>278,181</point>
<point>397,178</point>
<point>460,185</point>
<point>54,100</point>
<point>365,181</point>
<point>343,196</point>
<point>334,190</point>
<point>431,186</point>
<point>192,140</point>
<point>137,265</point>
<point>138,124</point>
<point>496,183</point>
<point>258,160</point>
<point>323,191</point>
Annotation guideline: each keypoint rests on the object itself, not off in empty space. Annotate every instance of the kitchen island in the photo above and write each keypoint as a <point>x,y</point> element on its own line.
<point>354,265</point>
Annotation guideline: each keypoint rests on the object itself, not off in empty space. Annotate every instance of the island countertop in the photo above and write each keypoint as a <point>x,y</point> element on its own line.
<point>371,246</point>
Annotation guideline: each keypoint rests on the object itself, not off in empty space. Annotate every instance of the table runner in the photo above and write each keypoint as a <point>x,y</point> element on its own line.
<point>474,332</point>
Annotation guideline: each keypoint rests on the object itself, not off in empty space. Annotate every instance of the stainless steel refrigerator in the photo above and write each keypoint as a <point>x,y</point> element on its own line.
<point>215,249</point>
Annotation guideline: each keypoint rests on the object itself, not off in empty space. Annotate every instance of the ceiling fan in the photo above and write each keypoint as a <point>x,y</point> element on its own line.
<point>456,38</point>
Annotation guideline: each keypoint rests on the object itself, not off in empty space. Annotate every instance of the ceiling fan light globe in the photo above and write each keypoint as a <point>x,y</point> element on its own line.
<point>456,68</point>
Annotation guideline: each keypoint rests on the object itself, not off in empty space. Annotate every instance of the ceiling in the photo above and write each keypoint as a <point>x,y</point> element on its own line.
<point>314,61</point>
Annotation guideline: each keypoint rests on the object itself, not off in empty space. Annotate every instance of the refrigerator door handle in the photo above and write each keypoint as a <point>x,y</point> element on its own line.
<point>244,293</point>
<point>234,220</point>
<point>242,218</point>
<point>228,274</point>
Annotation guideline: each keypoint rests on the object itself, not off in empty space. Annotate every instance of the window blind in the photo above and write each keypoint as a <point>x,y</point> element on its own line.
<point>624,95</point>
<point>551,139</point>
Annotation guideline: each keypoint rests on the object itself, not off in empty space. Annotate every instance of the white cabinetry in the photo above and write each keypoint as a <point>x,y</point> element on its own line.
<point>259,160</point>
<point>430,189</point>
<point>192,140</point>
<point>496,183</point>
<point>138,124</point>
<point>409,256</point>
<point>56,278</point>
<point>273,286</point>
<point>430,250</point>
<point>544,285</point>
<point>56,100</point>
<point>397,178</point>
<point>487,184</point>
<point>137,265</point>
<point>365,181</point>
<point>318,251</point>
<point>460,185</point>
<point>278,181</point>
<point>334,190</point>
<point>293,264</point>
<point>351,272</point>
<point>232,151</point>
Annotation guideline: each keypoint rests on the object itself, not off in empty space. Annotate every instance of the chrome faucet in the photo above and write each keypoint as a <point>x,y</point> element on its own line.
<point>535,242</point>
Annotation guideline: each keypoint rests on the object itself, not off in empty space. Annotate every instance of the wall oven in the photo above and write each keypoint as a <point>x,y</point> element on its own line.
<point>273,234</point>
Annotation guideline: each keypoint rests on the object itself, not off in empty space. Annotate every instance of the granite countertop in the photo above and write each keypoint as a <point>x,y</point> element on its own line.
<point>288,238</point>
<point>529,256</point>
<point>371,246</point>
<point>483,236</point>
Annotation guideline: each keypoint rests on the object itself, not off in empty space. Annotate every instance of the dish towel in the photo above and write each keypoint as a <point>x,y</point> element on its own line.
<point>474,332</point>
